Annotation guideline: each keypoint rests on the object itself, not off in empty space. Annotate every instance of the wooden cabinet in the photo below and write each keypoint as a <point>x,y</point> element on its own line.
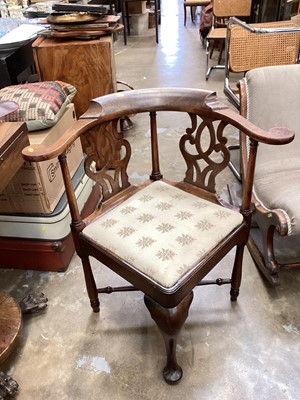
<point>89,65</point>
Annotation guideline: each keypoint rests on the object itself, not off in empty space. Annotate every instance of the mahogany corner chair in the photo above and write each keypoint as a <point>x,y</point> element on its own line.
<point>162,237</point>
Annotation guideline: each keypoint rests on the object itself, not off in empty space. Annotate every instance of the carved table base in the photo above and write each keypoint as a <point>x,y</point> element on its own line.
<point>8,387</point>
<point>10,327</point>
<point>33,302</point>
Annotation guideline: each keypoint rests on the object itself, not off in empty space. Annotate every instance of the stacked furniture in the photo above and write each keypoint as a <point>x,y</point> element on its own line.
<point>34,215</point>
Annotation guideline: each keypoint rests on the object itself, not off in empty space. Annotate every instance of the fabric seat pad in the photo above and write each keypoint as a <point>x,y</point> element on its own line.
<point>163,231</point>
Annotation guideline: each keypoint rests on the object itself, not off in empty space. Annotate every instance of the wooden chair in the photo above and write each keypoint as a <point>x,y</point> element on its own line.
<point>222,11</point>
<point>193,4</point>
<point>258,45</point>
<point>162,236</point>
<point>271,96</point>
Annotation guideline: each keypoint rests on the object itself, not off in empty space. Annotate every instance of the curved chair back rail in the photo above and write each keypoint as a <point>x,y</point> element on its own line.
<point>145,100</point>
<point>163,236</point>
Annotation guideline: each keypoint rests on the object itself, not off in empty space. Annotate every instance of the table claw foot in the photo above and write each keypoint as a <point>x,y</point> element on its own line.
<point>8,387</point>
<point>33,302</point>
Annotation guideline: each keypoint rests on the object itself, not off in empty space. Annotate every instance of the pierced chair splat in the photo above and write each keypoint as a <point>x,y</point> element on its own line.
<point>162,236</point>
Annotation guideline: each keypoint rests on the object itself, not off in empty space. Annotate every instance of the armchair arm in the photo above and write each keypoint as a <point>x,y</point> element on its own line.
<point>276,135</point>
<point>40,152</point>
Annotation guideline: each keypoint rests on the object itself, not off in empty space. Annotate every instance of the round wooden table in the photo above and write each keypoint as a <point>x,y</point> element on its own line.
<point>10,324</point>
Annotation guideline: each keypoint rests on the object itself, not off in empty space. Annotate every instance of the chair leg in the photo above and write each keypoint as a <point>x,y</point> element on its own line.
<point>221,49</point>
<point>184,14</point>
<point>90,285</point>
<point>192,13</point>
<point>124,21</point>
<point>170,322</point>
<point>270,269</point>
<point>236,276</point>
<point>213,47</point>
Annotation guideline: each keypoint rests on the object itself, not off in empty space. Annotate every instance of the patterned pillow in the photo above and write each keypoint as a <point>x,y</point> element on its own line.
<point>41,104</point>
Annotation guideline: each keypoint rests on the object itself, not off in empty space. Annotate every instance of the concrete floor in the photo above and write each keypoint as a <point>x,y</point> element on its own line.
<point>248,350</point>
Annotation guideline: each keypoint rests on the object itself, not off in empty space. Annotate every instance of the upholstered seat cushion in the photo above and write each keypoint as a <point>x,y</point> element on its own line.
<point>163,231</point>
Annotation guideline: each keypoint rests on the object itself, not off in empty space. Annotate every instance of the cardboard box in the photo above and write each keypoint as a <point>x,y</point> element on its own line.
<point>37,187</point>
<point>137,7</point>
<point>139,24</point>
<point>53,226</point>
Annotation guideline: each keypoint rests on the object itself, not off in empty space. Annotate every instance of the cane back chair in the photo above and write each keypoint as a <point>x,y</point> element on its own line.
<point>258,45</point>
<point>255,46</point>
<point>162,236</point>
<point>222,11</point>
<point>193,4</point>
<point>271,96</point>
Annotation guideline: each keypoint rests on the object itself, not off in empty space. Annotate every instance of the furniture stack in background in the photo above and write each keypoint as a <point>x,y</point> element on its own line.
<point>34,215</point>
<point>139,17</point>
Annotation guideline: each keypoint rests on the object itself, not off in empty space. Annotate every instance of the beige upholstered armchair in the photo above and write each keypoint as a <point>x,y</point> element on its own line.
<point>270,96</point>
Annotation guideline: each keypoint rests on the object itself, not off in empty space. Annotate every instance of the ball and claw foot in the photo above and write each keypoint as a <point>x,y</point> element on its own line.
<point>8,387</point>
<point>33,302</point>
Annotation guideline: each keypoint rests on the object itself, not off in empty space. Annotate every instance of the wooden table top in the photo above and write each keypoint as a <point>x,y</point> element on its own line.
<point>10,324</point>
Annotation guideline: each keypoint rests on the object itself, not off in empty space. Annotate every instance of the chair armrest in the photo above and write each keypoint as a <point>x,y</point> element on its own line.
<point>276,135</point>
<point>40,152</point>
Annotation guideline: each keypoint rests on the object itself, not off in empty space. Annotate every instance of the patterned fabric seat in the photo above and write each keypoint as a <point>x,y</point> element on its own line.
<point>156,230</point>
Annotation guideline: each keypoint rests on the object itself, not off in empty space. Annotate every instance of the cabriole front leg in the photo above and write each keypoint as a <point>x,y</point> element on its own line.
<point>170,322</point>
